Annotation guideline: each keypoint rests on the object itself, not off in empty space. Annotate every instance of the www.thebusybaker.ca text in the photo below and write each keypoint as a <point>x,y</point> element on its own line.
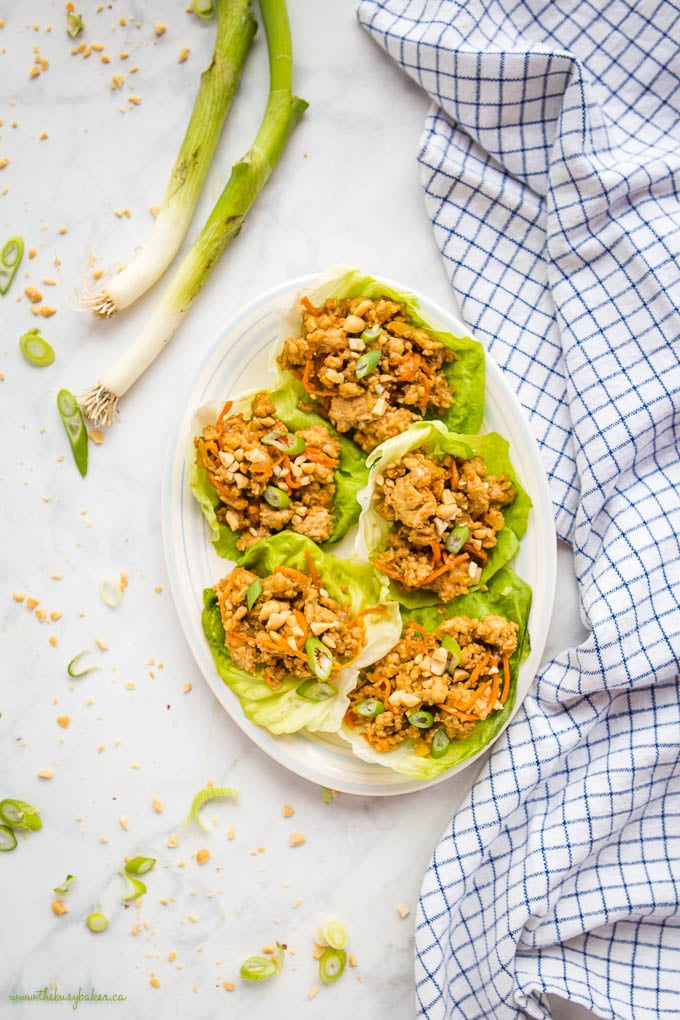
<point>54,995</point>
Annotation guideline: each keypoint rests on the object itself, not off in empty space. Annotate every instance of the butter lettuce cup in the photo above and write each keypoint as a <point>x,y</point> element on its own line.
<point>291,626</point>
<point>441,512</point>
<point>445,691</point>
<point>364,357</point>
<point>259,465</point>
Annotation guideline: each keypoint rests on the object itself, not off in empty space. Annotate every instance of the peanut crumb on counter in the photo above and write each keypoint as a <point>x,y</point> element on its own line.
<point>187,688</point>
<point>18,596</point>
<point>55,614</point>
<point>154,210</point>
<point>120,213</point>
<point>130,686</point>
<point>53,640</point>
<point>183,55</point>
<point>97,274</point>
<point>103,839</point>
<point>32,253</point>
<point>33,294</point>
<point>31,602</point>
<point>43,136</point>
<point>59,907</point>
<point>63,230</point>
<point>64,721</point>
<point>172,955</point>
<point>296,839</point>
<point>57,577</point>
<point>202,856</point>
<point>403,910</point>
<point>96,435</point>
<point>231,833</point>
<point>352,961</point>
<point>154,982</point>
<point>101,644</point>
<point>41,614</point>
<point>229,986</point>
<point>173,840</point>
<point>123,822</point>
<point>313,992</point>
<point>287,811</point>
<point>158,805</point>
<point>160,28</point>
<point>117,82</point>
<point>48,310</point>
<point>318,951</point>
<point>45,774</point>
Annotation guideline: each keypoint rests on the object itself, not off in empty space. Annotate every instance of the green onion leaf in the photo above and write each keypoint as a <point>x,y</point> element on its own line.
<point>371,333</point>
<point>319,658</point>
<point>62,889</point>
<point>454,650</point>
<point>8,840</point>
<point>366,363</point>
<point>422,720</point>
<point>253,593</point>
<point>259,968</point>
<point>209,793</point>
<point>285,441</point>
<point>140,865</point>
<point>135,887</point>
<point>370,708</point>
<point>332,933</point>
<point>36,349</point>
<point>72,667</point>
<point>440,744</point>
<point>74,423</point>
<point>97,921</point>
<point>313,690</point>
<point>20,815</point>
<point>457,538</point>
<point>276,497</point>
<point>332,965</point>
<point>10,257</point>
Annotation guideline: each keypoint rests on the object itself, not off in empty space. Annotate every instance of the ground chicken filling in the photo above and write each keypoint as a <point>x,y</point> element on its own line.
<point>372,371</point>
<point>287,625</point>
<point>434,687</point>
<point>268,478</point>
<point>446,513</point>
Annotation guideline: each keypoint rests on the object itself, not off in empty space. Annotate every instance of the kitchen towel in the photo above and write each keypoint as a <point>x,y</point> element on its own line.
<point>550,162</point>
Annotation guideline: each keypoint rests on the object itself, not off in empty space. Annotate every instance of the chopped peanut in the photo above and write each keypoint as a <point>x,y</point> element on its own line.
<point>202,856</point>
<point>59,907</point>
<point>296,839</point>
<point>287,811</point>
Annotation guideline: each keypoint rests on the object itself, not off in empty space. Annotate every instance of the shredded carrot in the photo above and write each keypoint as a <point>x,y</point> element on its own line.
<point>387,570</point>
<point>506,679</point>
<point>225,411</point>
<point>313,574</point>
<point>294,575</point>
<point>306,375</point>
<point>308,306</point>
<point>317,456</point>
<point>455,474</point>
<point>495,689</point>
<point>450,563</point>
<point>436,553</point>
<point>302,623</point>
<point>477,671</point>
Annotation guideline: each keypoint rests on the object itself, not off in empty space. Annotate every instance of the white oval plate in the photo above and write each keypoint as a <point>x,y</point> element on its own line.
<point>238,360</point>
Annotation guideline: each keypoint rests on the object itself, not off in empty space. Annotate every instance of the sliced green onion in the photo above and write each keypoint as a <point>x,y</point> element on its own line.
<point>370,708</point>
<point>247,179</point>
<point>313,690</point>
<point>371,333</point>
<point>253,593</point>
<point>276,497</point>
<point>234,34</point>
<point>62,889</point>
<point>72,667</point>
<point>203,8</point>
<point>209,793</point>
<point>422,720</point>
<point>440,744</point>
<point>285,441</point>
<point>140,865</point>
<point>259,968</point>
<point>332,933</point>
<point>36,349</point>
<point>10,257</point>
<point>110,592</point>
<point>454,650</point>
<point>135,887</point>
<point>332,965</point>
<point>20,815</point>
<point>74,423</point>
<point>74,24</point>
<point>366,363</point>
<point>319,658</point>
<point>97,921</point>
<point>8,840</point>
<point>457,538</point>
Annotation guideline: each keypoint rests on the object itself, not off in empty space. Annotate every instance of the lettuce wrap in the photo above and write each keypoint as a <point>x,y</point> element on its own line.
<point>435,440</point>
<point>508,596</point>
<point>350,474</point>
<point>354,585</point>
<point>465,375</point>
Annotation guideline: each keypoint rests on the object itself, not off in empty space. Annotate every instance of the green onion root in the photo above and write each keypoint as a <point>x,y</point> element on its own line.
<point>235,31</point>
<point>248,177</point>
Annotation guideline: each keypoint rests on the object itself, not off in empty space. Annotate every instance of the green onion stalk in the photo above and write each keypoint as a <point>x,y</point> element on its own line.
<point>236,28</point>
<point>248,177</point>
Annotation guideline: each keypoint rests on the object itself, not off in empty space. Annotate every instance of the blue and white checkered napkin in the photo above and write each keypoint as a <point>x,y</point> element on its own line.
<point>550,162</point>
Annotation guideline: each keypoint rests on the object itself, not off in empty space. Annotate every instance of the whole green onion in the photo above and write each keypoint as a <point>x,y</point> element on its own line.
<point>248,177</point>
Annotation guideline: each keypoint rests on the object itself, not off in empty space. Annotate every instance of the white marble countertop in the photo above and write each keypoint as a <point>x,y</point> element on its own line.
<point>86,162</point>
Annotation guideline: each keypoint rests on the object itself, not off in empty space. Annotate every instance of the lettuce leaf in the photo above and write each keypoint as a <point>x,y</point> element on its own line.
<point>508,596</point>
<point>350,475</point>
<point>491,447</point>
<point>358,584</point>
<point>465,375</point>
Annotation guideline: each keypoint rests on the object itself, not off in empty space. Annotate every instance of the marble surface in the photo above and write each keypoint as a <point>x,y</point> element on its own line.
<point>144,733</point>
